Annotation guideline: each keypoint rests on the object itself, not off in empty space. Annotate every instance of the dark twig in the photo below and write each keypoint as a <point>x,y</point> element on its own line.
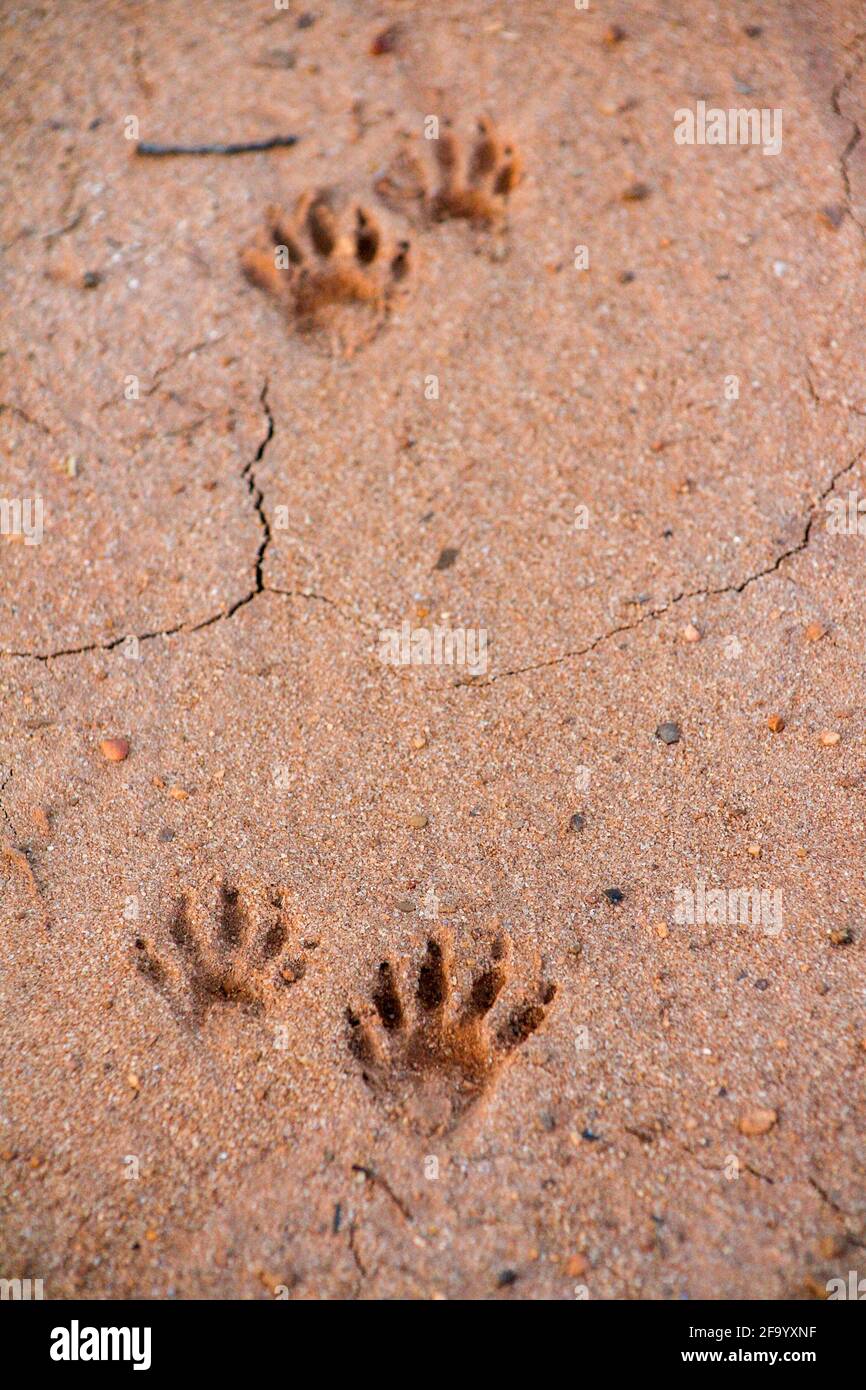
<point>242,147</point>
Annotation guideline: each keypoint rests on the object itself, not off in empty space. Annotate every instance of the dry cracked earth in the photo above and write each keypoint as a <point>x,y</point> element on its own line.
<point>330,976</point>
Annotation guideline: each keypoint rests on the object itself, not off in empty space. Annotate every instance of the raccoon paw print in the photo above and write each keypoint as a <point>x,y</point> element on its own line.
<point>336,285</point>
<point>477,194</point>
<point>427,1056</point>
<point>240,953</point>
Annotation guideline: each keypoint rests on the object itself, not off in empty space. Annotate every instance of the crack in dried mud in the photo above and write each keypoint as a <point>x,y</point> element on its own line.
<point>706,592</point>
<point>3,785</point>
<point>248,477</point>
<point>378,1181</point>
<point>856,133</point>
<point>835,1206</point>
<point>256,493</point>
<point>257,496</point>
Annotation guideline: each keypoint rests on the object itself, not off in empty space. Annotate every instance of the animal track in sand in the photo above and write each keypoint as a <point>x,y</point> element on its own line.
<point>240,953</point>
<point>427,1056</point>
<point>331,268</point>
<point>475,191</point>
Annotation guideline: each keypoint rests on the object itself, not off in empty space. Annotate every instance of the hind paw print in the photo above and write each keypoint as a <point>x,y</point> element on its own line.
<point>477,194</point>
<point>337,284</point>
<point>430,1057</point>
<point>238,954</point>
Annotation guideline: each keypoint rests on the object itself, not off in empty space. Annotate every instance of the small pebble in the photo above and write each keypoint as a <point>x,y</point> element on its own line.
<point>114,750</point>
<point>576,1266</point>
<point>278,58</point>
<point>691,633</point>
<point>577,821</point>
<point>405,905</point>
<point>614,895</point>
<point>775,723</point>
<point>417,820</point>
<point>614,34</point>
<point>668,733</point>
<point>636,192</point>
<point>841,936</point>
<point>831,1247</point>
<point>832,215</point>
<point>829,738</point>
<point>507,1277</point>
<point>757,1121</point>
<point>387,41</point>
<point>178,793</point>
<point>446,558</point>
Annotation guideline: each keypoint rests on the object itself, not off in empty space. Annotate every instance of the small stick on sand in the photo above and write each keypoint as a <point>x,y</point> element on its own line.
<point>242,147</point>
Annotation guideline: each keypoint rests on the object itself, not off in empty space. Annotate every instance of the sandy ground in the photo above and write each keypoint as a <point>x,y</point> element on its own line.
<point>368,980</point>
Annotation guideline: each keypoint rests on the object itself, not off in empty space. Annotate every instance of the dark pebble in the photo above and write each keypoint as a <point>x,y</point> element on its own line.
<point>668,733</point>
<point>278,58</point>
<point>614,895</point>
<point>165,835</point>
<point>508,1276</point>
<point>446,558</point>
<point>762,984</point>
<point>842,936</point>
<point>388,41</point>
<point>577,821</point>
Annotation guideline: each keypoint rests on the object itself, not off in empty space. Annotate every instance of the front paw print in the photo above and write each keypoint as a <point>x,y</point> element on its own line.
<point>427,1057</point>
<point>476,190</point>
<point>337,283</point>
<point>240,954</point>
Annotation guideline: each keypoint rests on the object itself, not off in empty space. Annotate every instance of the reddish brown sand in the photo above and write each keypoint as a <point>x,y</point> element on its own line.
<point>201,939</point>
